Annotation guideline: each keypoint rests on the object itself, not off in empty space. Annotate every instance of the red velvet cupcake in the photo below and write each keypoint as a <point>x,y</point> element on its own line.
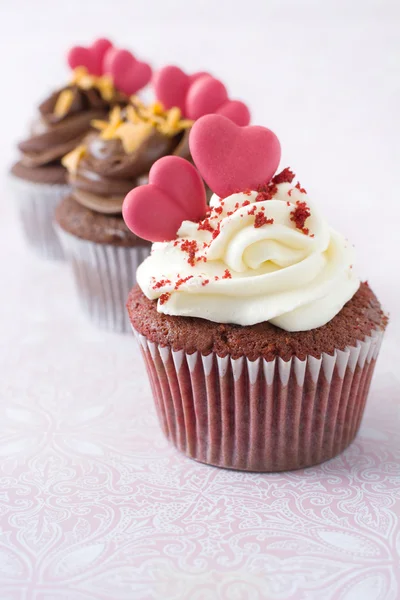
<point>259,340</point>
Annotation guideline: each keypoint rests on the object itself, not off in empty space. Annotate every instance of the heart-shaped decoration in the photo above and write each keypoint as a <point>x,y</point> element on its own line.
<point>175,193</point>
<point>171,86</point>
<point>232,158</point>
<point>236,111</point>
<point>91,57</point>
<point>208,95</point>
<point>205,96</point>
<point>128,74</point>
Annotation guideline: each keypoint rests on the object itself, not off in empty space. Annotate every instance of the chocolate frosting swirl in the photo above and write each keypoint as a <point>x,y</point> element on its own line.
<point>53,135</point>
<point>106,173</point>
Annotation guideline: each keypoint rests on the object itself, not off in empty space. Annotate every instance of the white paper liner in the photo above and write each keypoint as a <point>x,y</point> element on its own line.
<point>259,415</point>
<point>104,275</point>
<point>36,203</point>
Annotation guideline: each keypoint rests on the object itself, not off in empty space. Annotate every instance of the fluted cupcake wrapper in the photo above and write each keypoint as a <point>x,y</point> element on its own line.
<point>36,203</point>
<point>259,415</point>
<point>104,275</point>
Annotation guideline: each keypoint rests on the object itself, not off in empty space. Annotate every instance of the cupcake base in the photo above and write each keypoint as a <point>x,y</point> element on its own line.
<point>104,275</point>
<point>260,415</point>
<point>36,204</point>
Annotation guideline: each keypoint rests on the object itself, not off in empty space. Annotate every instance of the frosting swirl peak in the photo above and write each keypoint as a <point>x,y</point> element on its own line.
<point>256,257</point>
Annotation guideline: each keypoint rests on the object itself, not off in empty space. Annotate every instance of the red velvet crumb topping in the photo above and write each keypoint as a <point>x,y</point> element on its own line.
<point>182,281</point>
<point>285,176</point>
<point>164,298</point>
<point>301,189</point>
<point>161,283</point>
<point>261,219</point>
<point>191,247</point>
<point>299,216</point>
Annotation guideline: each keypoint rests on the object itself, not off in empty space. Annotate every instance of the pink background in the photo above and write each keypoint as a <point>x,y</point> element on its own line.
<point>94,504</point>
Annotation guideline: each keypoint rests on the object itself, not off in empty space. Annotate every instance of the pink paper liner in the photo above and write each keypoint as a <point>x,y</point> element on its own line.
<point>104,275</point>
<point>260,416</point>
<point>36,203</point>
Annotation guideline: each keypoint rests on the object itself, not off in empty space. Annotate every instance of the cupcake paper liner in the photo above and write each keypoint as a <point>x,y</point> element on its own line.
<point>259,415</point>
<point>36,205</point>
<point>104,275</point>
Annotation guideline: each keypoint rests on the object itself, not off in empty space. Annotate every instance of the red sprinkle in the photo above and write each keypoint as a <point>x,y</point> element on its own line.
<point>252,211</point>
<point>182,281</point>
<point>298,186</point>
<point>190,246</point>
<point>266,192</point>
<point>164,298</point>
<point>216,231</point>
<point>161,284</point>
<point>285,176</point>
<point>227,274</point>
<point>205,282</point>
<point>261,219</point>
<point>299,216</point>
<point>205,225</point>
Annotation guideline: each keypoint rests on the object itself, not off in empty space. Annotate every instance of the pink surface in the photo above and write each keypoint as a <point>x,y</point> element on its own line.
<point>96,505</point>
<point>175,193</point>
<point>232,158</point>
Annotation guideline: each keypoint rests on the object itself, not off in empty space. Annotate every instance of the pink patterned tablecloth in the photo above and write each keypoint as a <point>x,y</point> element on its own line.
<point>95,505</point>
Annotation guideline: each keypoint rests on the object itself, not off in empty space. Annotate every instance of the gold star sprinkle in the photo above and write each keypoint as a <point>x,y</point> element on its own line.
<point>133,135</point>
<point>135,123</point>
<point>132,115</point>
<point>109,128</point>
<point>136,101</point>
<point>86,81</point>
<point>106,87</point>
<point>71,160</point>
<point>64,102</point>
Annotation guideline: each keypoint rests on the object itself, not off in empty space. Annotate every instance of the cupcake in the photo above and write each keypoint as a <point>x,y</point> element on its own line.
<point>109,162</point>
<point>39,179</point>
<point>259,339</point>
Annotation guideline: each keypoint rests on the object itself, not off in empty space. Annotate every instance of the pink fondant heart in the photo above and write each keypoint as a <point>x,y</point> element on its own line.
<point>128,74</point>
<point>231,158</point>
<point>197,95</point>
<point>205,96</point>
<point>194,76</point>
<point>91,57</point>
<point>236,111</point>
<point>175,193</point>
<point>171,86</point>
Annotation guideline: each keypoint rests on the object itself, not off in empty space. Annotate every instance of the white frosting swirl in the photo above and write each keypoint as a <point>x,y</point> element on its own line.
<point>251,272</point>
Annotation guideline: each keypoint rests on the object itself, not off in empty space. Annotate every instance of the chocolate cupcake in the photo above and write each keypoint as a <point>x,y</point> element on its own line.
<point>103,252</point>
<point>38,178</point>
<point>259,340</point>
